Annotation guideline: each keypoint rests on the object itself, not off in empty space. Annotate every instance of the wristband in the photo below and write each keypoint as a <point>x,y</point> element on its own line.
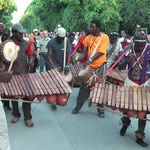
<point>90,60</point>
<point>67,66</point>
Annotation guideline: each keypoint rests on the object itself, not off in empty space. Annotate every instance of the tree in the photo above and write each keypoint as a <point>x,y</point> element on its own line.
<point>7,7</point>
<point>75,15</point>
<point>133,13</point>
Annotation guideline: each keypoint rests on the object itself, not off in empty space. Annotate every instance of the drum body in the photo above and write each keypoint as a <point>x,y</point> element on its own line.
<point>7,51</point>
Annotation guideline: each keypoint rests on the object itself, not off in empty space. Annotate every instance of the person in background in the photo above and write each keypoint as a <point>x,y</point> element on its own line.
<point>5,36</point>
<point>68,34</point>
<point>81,45</point>
<point>123,34</point>
<point>33,44</point>
<point>51,35</point>
<point>26,36</point>
<point>2,26</point>
<point>125,42</point>
<point>39,31</point>
<point>42,52</point>
<point>71,38</point>
<point>148,38</point>
<point>114,48</point>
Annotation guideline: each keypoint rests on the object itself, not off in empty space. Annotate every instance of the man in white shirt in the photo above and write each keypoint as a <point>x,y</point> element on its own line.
<point>42,52</point>
<point>113,49</point>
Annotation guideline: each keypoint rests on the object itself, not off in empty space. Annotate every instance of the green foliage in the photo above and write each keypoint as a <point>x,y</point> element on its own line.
<point>133,13</point>
<point>7,7</point>
<point>75,15</point>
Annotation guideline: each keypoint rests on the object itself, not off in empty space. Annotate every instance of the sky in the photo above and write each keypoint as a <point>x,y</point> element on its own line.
<point>21,7</point>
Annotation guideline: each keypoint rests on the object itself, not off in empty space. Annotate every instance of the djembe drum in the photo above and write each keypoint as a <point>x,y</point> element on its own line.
<point>8,53</point>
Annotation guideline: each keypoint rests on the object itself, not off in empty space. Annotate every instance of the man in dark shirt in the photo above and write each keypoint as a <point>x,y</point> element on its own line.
<point>56,49</point>
<point>21,66</point>
<point>56,52</point>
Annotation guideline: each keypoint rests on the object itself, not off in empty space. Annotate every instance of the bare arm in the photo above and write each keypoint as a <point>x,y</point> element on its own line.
<point>50,58</point>
<point>68,59</point>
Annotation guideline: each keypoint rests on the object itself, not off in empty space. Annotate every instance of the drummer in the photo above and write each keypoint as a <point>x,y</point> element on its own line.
<point>99,58</point>
<point>56,52</point>
<point>21,66</point>
<point>138,64</point>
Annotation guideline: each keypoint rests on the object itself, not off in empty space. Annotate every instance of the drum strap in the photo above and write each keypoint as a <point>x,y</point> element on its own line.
<point>96,46</point>
<point>65,49</point>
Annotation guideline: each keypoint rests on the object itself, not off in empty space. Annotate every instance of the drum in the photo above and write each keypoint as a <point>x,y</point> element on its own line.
<point>8,51</point>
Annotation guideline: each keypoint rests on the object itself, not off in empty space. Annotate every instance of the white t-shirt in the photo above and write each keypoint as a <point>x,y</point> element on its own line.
<point>117,49</point>
<point>121,39</point>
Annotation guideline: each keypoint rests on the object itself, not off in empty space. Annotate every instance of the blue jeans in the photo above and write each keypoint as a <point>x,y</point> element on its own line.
<point>42,62</point>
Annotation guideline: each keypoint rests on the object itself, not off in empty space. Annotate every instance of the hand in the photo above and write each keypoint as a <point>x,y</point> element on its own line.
<point>2,67</point>
<point>74,62</point>
<point>66,70</point>
<point>30,64</point>
<point>5,76</point>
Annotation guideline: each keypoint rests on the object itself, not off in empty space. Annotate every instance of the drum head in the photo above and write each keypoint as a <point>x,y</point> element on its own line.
<point>9,51</point>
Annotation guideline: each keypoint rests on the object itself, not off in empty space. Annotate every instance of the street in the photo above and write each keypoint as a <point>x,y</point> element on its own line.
<point>60,130</point>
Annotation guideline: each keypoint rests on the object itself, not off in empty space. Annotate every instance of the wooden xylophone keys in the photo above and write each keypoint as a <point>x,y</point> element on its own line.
<point>127,99</point>
<point>35,85</point>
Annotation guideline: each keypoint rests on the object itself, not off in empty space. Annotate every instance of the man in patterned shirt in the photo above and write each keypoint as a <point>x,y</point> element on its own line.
<point>138,64</point>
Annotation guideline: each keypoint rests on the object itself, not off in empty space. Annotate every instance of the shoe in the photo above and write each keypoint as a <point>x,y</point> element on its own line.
<point>75,110</point>
<point>141,142</point>
<point>53,106</point>
<point>29,123</point>
<point>101,114</point>
<point>123,130</point>
<point>14,119</point>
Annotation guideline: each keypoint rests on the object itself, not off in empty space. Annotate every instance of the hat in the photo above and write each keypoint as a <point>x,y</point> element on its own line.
<point>114,33</point>
<point>61,32</point>
<point>35,30</point>
<point>18,27</point>
<point>140,35</point>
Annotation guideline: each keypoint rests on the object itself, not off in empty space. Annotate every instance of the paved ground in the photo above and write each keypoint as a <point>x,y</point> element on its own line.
<point>60,130</point>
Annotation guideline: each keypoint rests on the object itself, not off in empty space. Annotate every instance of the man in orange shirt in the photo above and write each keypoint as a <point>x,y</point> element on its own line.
<point>96,61</point>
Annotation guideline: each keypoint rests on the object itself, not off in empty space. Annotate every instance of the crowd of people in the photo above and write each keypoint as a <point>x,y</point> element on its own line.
<point>43,50</point>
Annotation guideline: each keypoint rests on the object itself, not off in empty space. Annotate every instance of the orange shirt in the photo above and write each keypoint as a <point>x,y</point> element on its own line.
<point>31,42</point>
<point>91,42</point>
